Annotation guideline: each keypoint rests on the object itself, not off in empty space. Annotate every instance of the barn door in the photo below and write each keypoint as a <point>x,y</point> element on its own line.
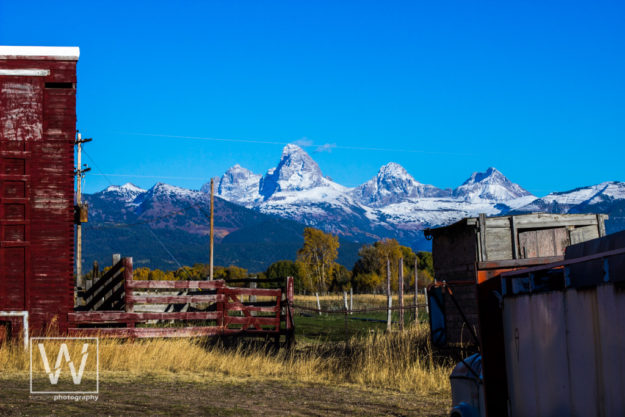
<point>20,124</point>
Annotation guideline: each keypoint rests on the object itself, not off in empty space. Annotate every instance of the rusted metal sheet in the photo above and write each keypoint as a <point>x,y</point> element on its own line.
<point>564,338</point>
<point>37,126</point>
<point>564,352</point>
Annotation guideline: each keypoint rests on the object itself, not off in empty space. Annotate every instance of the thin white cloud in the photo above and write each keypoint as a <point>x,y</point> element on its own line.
<point>326,147</point>
<point>303,142</point>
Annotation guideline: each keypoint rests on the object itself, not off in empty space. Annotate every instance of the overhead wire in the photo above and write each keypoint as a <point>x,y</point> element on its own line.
<point>146,222</point>
<point>323,146</point>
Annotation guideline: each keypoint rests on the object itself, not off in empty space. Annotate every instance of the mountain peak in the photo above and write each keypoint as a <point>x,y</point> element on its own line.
<point>489,185</point>
<point>128,187</point>
<point>292,148</point>
<point>393,184</point>
<point>238,184</point>
<point>237,169</point>
<point>393,169</point>
<point>127,192</point>
<point>167,190</point>
<point>490,173</point>
<point>296,171</point>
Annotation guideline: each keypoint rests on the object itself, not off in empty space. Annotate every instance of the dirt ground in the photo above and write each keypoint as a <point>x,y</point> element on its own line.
<point>123,396</point>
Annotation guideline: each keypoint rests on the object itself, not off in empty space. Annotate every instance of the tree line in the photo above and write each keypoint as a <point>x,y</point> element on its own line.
<point>315,268</point>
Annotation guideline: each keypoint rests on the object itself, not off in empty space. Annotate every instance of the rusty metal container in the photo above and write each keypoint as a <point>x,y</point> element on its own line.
<point>564,333</point>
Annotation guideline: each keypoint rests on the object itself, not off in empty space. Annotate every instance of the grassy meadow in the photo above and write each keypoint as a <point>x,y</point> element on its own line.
<point>330,371</point>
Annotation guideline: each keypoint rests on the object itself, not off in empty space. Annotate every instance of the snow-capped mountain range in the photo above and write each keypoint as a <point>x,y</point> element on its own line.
<point>391,200</point>
<point>391,204</point>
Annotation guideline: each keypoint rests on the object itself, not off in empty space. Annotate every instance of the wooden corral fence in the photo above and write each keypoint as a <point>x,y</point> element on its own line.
<point>109,308</point>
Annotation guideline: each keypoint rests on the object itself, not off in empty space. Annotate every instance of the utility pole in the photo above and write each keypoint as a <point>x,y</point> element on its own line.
<point>389,296</point>
<point>400,288</point>
<point>416,289</point>
<point>211,231</point>
<point>78,210</point>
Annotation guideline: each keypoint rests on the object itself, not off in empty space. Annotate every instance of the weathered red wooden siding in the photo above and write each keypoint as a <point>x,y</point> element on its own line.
<point>37,130</point>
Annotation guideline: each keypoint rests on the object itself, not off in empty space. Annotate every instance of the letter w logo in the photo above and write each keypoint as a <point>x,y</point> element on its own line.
<point>64,354</point>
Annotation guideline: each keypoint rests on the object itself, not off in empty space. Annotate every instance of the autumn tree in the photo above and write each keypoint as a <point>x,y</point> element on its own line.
<point>341,278</point>
<point>369,272</point>
<point>389,250</point>
<point>366,272</point>
<point>316,258</point>
<point>141,273</point>
<point>281,270</point>
<point>426,268</point>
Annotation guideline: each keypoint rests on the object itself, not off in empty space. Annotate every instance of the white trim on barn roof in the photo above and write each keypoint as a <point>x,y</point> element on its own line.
<point>56,52</point>
<point>25,72</point>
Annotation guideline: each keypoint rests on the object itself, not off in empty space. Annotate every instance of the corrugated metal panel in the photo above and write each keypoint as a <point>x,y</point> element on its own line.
<point>583,375</point>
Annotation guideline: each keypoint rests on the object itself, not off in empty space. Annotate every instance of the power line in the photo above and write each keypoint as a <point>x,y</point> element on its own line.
<point>146,223</point>
<point>149,176</point>
<point>164,247</point>
<point>320,147</point>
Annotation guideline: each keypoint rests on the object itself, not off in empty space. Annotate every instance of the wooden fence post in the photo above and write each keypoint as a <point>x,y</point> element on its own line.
<point>318,303</point>
<point>220,308</point>
<point>253,297</point>
<point>416,290</point>
<point>389,296</point>
<point>290,326</point>
<point>127,288</point>
<point>95,271</point>
<point>400,288</point>
<point>351,300</point>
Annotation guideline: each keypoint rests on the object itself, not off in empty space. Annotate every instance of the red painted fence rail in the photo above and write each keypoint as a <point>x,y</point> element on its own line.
<point>227,313</point>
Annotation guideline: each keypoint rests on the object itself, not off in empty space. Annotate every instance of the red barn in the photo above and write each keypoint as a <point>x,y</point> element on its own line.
<point>37,131</point>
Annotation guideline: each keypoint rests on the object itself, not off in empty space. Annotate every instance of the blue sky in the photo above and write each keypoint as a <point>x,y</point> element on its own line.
<point>534,88</point>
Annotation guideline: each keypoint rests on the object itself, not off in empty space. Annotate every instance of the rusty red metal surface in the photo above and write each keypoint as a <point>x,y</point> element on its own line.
<point>37,128</point>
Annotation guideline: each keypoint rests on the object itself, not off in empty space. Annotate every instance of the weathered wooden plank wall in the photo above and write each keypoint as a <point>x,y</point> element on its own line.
<point>473,250</point>
<point>37,128</point>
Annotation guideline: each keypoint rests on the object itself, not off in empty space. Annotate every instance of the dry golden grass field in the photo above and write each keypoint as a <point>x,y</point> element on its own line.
<point>369,373</point>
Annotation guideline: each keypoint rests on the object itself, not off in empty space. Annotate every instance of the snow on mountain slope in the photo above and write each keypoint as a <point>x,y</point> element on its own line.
<point>563,202</point>
<point>166,191</point>
<point>434,211</point>
<point>391,185</point>
<point>391,204</point>
<point>296,189</point>
<point>239,185</point>
<point>490,185</point>
<point>127,192</point>
<point>296,171</point>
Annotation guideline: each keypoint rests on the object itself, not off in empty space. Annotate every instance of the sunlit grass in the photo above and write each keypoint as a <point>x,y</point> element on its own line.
<point>396,361</point>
